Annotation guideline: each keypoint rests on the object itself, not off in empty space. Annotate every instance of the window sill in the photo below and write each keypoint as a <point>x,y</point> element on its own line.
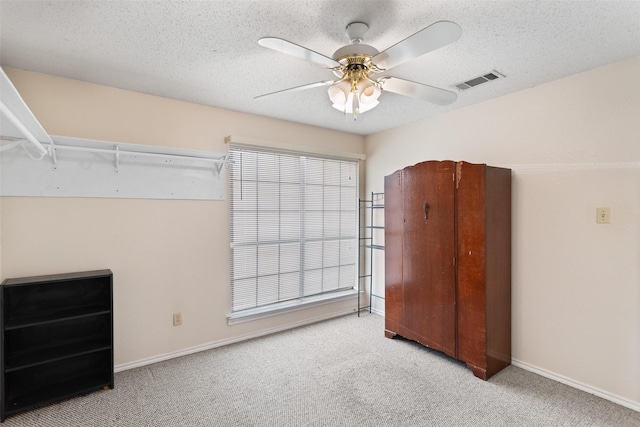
<point>290,306</point>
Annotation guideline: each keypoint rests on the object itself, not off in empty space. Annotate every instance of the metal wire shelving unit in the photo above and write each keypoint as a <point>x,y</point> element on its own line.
<point>367,245</point>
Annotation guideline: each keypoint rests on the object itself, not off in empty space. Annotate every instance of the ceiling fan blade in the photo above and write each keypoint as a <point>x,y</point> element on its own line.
<point>427,93</point>
<point>298,51</point>
<point>435,36</point>
<point>297,88</point>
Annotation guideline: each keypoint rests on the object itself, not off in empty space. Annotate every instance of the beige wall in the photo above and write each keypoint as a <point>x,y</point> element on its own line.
<point>573,146</point>
<point>166,256</point>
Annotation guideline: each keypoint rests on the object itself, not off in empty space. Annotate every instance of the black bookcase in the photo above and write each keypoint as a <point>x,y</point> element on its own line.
<point>57,338</point>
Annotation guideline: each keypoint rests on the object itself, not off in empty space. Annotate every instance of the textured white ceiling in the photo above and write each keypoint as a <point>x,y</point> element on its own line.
<point>207,52</point>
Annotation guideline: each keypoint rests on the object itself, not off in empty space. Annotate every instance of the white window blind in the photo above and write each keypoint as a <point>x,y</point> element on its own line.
<point>293,226</point>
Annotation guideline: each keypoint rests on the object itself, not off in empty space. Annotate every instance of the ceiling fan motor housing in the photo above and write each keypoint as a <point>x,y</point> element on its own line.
<point>355,50</point>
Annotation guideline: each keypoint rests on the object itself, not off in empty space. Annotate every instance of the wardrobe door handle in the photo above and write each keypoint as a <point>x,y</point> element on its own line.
<point>426,210</point>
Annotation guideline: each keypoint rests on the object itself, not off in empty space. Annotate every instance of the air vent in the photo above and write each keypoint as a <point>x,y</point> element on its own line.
<point>494,75</point>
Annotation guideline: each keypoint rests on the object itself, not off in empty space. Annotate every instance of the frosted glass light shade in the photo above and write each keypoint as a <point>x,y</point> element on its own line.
<point>342,97</point>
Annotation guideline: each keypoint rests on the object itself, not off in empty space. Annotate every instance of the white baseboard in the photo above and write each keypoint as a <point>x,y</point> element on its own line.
<point>377,311</point>
<point>220,343</point>
<point>518,363</point>
<point>568,381</point>
<point>577,384</point>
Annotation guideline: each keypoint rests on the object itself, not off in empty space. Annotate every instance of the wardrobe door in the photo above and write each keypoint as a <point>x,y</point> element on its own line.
<point>393,237</point>
<point>484,267</point>
<point>471,295</point>
<point>428,269</point>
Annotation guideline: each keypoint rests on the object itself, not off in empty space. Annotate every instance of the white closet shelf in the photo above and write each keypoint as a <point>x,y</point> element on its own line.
<point>119,149</point>
<point>91,168</point>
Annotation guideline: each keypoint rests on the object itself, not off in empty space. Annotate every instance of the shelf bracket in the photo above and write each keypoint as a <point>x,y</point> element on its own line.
<point>117,150</point>
<point>221,164</point>
<point>54,156</point>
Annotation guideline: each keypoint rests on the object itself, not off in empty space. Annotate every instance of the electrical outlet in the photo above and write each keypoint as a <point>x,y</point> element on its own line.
<point>603,215</point>
<point>177,319</point>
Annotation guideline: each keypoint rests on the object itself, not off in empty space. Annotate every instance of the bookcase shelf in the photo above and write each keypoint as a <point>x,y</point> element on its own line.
<point>57,338</point>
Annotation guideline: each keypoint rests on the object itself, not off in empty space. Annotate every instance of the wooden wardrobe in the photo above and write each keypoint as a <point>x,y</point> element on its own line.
<point>448,260</point>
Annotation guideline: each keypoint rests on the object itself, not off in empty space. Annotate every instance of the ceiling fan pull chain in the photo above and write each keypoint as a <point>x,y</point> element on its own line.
<point>355,103</point>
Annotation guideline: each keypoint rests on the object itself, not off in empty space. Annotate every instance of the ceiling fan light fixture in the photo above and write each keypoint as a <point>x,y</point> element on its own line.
<point>365,97</point>
<point>339,92</point>
<point>369,92</point>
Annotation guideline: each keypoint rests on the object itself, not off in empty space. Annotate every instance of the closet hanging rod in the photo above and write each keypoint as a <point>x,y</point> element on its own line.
<point>117,151</point>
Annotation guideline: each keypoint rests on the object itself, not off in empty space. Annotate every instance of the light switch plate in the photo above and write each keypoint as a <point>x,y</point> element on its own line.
<point>177,319</point>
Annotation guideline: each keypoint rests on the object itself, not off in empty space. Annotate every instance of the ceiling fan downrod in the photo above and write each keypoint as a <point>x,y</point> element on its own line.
<point>355,32</point>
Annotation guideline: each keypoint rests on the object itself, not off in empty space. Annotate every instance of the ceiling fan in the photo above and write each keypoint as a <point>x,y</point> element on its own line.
<point>357,89</point>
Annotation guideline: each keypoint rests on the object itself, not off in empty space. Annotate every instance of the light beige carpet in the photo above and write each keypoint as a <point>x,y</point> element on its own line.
<point>341,372</point>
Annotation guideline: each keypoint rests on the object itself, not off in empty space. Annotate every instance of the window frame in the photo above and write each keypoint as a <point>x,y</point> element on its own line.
<point>301,301</point>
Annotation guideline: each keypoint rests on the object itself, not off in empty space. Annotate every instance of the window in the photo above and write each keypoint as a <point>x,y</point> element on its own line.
<point>293,226</point>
